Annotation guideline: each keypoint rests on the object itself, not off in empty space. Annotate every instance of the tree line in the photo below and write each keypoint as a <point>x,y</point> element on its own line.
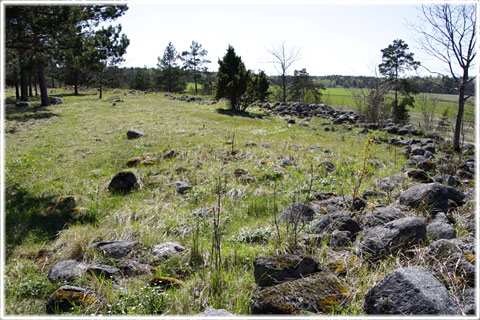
<point>67,43</point>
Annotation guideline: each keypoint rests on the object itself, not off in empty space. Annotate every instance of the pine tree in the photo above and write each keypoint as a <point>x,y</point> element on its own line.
<point>232,80</point>
<point>193,60</point>
<point>302,88</point>
<point>396,60</point>
<point>170,77</point>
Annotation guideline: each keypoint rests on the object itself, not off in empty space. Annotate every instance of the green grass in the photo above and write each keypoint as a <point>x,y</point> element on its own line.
<point>75,149</point>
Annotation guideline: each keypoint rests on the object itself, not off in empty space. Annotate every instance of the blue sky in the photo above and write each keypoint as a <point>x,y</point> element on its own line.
<point>334,38</point>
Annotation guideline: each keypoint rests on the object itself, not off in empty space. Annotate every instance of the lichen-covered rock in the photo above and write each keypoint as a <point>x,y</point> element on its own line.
<point>440,230</point>
<point>167,249</point>
<point>391,237</point>
<point>115,249</point>
<point>434,195</point>
<point>318,293</point>
<point>342,264</point>
<point>210,312</point>
<point>170,154</point>
<point>297,212</point>
<point>123,182</point>
<point>274,269</point>
<point>379,216</point>
<point>144,159</point>
<point>134,134</point>
<point>166,282</point>
<point>67,271</point>
<point>410,291</point>
<point>65,298</point>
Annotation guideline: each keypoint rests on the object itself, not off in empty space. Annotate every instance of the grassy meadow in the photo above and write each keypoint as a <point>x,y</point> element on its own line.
<point>74,149</point>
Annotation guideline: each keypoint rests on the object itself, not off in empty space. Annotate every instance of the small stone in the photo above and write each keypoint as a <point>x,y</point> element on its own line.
<point>210,312</point>
<point>167,249</point>
<point>123,182</point>
<point>170,154</point>
<point>134,134</point>
<point>115,249</point>
<point>23,104</point>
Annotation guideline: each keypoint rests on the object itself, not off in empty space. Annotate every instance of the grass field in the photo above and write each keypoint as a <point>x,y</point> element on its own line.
<point>75,149</point>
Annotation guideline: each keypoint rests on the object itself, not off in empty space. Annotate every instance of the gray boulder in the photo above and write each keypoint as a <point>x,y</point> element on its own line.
<point>372,194</point>
<point>391,237</point>
<point>379,216</point>
<point>297,212</point>
<point>446,179</point>
<point>55,100</point>
<point>434,195</point>
<point>410,291</point>
<point>123,182</point>
<point>134,134</point>
<point>339,239</point>
<point>467,300</point>
<point>67,271</point>
<point>440,230</point>
<point>272,270</point>
<point>104,272</point>
<point>340,220</point>
<point>456,255</point>
<point>419,175</point>
<point>115,249</point>
<point>167,249</point>
<point>387,184</point>
<point>318,293</point>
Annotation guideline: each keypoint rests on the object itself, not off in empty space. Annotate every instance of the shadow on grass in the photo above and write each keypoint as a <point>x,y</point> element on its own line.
<point>236,113</point>
<point>27,220</point>
<point>72,94</point>
<point>23,114</point>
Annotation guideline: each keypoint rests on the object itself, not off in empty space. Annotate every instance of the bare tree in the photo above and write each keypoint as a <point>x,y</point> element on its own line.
<point>282,59</point>
<point>448,34</point>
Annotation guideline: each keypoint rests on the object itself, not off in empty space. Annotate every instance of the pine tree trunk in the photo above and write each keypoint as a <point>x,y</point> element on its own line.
<point>30,93</point>
<point>43,85</point>
<point>23,78</point>
<point>17,91</point>
<point>284,87</point>
<point>35,83</point>
<point>75,80</point>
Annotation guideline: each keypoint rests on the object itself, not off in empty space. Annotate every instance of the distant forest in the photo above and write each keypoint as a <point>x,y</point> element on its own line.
<point>150,79</point>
